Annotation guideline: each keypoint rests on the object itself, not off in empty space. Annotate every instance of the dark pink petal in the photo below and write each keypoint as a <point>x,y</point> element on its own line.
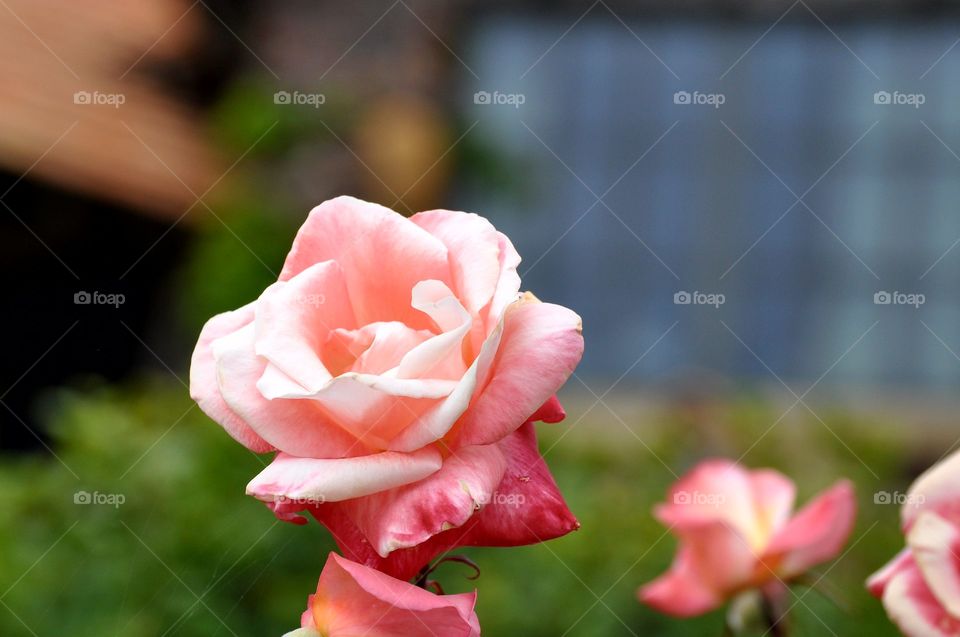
<point>504,521</point>
<point>551,411</point>
<point>407,516</point>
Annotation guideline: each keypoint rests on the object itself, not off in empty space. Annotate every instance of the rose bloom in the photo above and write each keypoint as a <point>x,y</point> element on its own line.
<point>920,587</point>
<point>396,369</point>
<point>736,532</point>
<point>355,600</point>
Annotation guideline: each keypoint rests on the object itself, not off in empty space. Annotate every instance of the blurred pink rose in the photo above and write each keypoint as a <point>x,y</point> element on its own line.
<point>393,367</point>
<point>920,587</point>
<point>736,532</point>
<point>355,600</point>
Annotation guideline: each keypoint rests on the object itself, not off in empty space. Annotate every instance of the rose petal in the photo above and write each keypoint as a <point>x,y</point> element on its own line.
<point>680,591</point>
<point>203,378</point>
<point>406,516</point>
<point>540,347</point>
<point>354,600</point>
<point>474,252</point>
<point>295,317</point>
<point>879,580</point>
<point>816,533</point>
<point>913,608</point>
<point>333,480</point>
<point>297,427</point>
<point>381,253</point>
<point>551,411</point>
<point>935,544</point>
<point>543,515</point>
<point>508,286</point>
<point>934,490</point>
<point>773,496</point>
<point>716,490</point>
<point>440,356</point>
<point>437,420</point>
<point>528,507</point>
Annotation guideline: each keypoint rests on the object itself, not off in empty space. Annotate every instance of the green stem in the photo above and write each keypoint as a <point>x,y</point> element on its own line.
<point>774,620</point>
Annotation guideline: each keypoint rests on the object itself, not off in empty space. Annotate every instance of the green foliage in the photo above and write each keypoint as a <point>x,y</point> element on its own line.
<point>186,529</point>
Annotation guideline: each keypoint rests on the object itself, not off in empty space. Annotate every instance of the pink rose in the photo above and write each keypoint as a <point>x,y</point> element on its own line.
<point>736,532</point>
<point>355,600</point>
<point>393,367</point>
<point>920,587</point>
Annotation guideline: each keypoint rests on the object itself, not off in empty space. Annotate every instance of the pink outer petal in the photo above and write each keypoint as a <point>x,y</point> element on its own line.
<point>383,255</point>
<point>528,507</point>
<point>407,516</point>
<point>297,427</point>
<point>355,600</point>
<point>540,347</point>
<point>935,544</point>
<point>508,287</point>
<point>313,480</point>
<point>551,411</point>
<point>203,378</point>
<point>474,253</point>
<point>914,609</point>
<point>543,515</point>
<point>713,562</point>
<point>937,489</point>
<point>815,534</point>
<point>680,591</point>
<point>879,580</point>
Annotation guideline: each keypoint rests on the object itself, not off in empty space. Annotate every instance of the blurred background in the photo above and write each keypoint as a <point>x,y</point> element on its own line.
<point>751,204</point>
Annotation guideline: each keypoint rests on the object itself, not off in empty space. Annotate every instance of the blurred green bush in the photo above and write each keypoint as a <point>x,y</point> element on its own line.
<point>186,553</point>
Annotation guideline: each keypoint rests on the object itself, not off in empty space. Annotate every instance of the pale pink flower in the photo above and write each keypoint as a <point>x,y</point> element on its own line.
<point>736,531</point>
<point>395,368</point>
